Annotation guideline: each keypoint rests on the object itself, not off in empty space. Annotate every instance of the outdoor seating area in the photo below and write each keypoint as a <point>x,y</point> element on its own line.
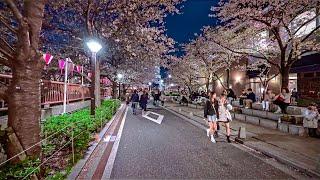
<point>292,122</point>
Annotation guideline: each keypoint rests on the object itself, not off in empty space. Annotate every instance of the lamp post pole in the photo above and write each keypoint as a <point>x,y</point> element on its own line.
<point>94,48</point>
<point>93,82</point>
<point>119,90</point>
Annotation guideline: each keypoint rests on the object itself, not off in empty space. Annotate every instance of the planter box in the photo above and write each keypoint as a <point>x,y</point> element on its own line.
<point>253,120</point>
<point>262,114</point>
<point>257,106</point>
<point>246,111</point>
<point>296,130</point>
<point>273,116</point>
<point>240,117</point>
<point>268,123</point>
<point>283,127</point>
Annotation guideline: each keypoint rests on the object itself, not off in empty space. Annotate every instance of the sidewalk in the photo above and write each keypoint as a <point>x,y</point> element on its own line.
<point>302,153</point>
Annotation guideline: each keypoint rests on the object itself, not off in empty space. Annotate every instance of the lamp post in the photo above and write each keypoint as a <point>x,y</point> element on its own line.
<point>120,76</point>
<point>149,86</point>
<point>94,48</point>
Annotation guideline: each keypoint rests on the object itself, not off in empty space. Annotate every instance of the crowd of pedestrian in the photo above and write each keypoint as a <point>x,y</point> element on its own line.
<point>141,97</point>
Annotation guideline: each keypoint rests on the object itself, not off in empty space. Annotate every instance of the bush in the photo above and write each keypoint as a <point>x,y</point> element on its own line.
<point>59,131</point>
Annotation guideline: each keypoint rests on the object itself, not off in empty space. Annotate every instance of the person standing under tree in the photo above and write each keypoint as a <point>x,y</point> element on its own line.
<point>144,101</point>
<point>134,101</point>
<point>224,114</point>
<point>310,121</point>
<point>211,115</point>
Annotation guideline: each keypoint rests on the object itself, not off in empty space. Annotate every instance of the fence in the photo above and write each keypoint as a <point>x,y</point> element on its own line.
<point>52,92</point>
<point>63,142</point>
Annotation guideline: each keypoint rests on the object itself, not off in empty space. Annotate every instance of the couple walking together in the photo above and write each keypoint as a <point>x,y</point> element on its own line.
<point>217,110</point>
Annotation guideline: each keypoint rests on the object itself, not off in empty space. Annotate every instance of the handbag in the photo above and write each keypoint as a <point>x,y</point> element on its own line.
<point>278,100</point>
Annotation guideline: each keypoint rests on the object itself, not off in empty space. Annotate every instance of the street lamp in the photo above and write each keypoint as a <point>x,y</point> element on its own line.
<point>94,48</point>
<point>150,86</point>
<point>170,76</point>
<point>120,76</point>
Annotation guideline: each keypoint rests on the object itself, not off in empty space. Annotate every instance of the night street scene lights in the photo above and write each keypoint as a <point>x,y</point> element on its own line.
<point>94,47</point>
<point>119,76</point>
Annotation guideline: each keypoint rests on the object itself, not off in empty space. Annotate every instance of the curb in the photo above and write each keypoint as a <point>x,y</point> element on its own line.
<point>76,170</point>
<point>283,160</point>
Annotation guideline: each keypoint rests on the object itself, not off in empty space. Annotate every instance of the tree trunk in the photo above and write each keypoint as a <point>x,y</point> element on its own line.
<point>114,89</point>
<point>24,106</point>
<point>24,102</point>
<point>228,78</point>
<point>124,90</point>
<point>207,84</point>
<point>97,90</point>
<point>285,77</point>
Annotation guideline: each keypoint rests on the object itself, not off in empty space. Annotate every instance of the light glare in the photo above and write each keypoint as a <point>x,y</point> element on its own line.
<point>94,46</point>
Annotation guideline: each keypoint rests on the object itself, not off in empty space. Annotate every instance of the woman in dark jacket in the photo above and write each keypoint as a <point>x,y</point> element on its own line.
<point>144,101</point>
<point>211,114</point>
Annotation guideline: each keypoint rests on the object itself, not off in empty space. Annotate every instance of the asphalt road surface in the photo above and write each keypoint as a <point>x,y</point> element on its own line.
<point>177,149</point>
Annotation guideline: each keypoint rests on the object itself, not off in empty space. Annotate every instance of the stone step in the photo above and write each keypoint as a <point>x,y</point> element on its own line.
<point>270,123</point>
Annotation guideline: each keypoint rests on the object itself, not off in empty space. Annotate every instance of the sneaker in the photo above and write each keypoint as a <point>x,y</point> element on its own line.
<point>212,139</point>
<point>208,132</point>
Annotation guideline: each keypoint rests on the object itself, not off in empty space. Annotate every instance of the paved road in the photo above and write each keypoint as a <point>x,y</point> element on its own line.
<point>177,149</point>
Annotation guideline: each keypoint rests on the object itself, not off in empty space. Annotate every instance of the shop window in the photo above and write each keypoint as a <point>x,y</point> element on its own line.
<point>308,74</point>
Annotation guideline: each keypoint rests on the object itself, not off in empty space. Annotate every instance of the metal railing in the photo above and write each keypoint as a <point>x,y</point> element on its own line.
<point>52,91</point>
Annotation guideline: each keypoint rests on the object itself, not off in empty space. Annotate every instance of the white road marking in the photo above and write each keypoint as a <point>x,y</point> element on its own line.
<point>112,157</point>
<point>158,120</point>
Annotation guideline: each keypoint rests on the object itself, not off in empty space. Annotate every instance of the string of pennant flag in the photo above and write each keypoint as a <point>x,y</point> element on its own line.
<point>71,66</point>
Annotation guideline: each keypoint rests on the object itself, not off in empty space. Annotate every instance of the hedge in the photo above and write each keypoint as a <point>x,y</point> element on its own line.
<point>58,130</point>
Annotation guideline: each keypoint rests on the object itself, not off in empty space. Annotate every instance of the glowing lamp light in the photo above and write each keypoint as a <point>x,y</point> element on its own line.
<point>94,46</point>
<point>149,83</point>
<point>171,84</point>
<point>170,76</point>
<point>238,79</point>
<point>120,76</point>
<point>161,80</point>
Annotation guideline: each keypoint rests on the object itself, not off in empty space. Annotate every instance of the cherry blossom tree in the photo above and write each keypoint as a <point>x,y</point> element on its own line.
<point>136,25</point>
<point>21,24</point>
<point>290,26</point>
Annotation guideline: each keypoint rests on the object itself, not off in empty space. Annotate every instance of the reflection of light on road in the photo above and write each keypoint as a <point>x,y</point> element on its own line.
<point>158,120</point>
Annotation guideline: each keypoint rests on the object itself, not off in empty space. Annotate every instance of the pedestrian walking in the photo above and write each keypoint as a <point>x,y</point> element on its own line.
<point>134,101</point>
<point>211,115</point>
<point>144,101</point>
<point>224,114</point>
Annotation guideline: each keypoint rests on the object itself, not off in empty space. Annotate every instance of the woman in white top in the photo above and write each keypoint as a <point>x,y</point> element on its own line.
<point>224,114</point>
<point>310,120</point>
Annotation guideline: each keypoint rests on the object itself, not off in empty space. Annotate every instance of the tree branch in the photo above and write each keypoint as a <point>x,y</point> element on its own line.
<point>15,10</point>
<point>307,36</point>
<point>305,23</point>
<point>4,61</point>
<point>3,21</point>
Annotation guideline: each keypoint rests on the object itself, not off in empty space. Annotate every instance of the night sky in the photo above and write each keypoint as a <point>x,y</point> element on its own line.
<point>182,27</point>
